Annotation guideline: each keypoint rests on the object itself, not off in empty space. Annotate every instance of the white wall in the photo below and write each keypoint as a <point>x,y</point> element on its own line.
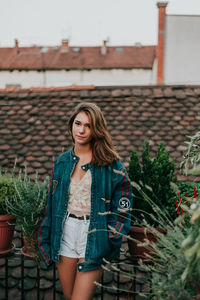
<point>64,78</point>
<point>23,78</point>
<point>182,50</point>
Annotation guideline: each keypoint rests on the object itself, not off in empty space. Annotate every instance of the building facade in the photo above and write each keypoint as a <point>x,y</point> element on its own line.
<point>178,49</point>
<point>25,67</point>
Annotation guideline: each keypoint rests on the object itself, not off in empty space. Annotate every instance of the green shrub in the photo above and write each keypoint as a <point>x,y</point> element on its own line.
<point>155,177</point>
<point>7,191</point>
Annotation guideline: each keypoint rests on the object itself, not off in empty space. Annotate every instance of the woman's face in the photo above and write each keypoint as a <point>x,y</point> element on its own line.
<point>81,129</point>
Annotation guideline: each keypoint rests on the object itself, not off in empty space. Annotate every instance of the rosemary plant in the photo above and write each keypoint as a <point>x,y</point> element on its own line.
<point>28,204</point>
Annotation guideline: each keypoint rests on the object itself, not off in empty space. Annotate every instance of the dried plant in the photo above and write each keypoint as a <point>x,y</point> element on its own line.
<point>191,163</point>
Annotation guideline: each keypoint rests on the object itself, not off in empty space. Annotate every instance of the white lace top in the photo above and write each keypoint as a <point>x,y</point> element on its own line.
<point>80,195</point>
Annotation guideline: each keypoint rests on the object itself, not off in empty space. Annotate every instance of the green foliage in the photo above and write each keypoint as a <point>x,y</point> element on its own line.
<point>28,204</point>
<point>187,187</point>
<point>175,257</point>
<point>167,258</point>
<point>191,163</point>
<point>7,191</point>
<point>169,264</point>
<point>176,264</point>
<point>155,177</point>
<point>191,245</point>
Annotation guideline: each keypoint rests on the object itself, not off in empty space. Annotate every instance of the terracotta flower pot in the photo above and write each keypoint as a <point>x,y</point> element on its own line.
<point>7,227</point>
<point>140,234</point>
<point>30,248</point>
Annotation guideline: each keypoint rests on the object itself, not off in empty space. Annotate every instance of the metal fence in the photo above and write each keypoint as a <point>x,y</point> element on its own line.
<point>22,278</point>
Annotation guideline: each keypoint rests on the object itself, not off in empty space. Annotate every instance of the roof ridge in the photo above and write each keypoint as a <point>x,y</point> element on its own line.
<point>49,89</point>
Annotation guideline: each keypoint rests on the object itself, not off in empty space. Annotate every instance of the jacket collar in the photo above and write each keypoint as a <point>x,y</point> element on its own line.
<point>75,159</point>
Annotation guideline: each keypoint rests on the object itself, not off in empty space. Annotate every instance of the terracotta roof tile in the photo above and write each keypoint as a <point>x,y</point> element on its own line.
<point>33,123</point>
<point>34,58</point>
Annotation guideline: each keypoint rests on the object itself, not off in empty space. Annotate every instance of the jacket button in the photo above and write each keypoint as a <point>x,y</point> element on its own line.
<point>80,267</point>
<point>74,157</point>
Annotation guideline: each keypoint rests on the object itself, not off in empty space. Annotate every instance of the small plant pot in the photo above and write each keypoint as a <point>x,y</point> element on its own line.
<point>30,248</point>
<point>7,226</point>
<point>140,234</point>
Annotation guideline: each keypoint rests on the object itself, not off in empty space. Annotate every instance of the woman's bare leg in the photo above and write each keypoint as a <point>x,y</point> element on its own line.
<point>67,270</point>
<point>84,284</point>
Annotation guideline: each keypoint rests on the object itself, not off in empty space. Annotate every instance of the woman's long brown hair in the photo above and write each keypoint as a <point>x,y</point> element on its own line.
<point>103,151</point>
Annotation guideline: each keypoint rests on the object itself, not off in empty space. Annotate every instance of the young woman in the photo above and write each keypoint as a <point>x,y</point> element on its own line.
<point>87,211</point>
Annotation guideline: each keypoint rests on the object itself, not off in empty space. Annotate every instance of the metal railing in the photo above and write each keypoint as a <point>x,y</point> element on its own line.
<point>130,290</point>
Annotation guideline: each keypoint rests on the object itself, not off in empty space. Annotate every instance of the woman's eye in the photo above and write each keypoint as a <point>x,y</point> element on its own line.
<point>88,126</point>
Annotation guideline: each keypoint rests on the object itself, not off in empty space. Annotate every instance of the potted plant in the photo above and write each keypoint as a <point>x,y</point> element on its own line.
<point>151,179</point>
<point>169,262</point>
<point>28,207</point>
<point>180,245</point>
<point>7,221</point>
<point>164,278</point>
<point>176,256</point>
<point>175,272</point>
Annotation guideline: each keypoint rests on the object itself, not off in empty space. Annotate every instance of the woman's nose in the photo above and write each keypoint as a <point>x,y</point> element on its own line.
<point>81,129</point>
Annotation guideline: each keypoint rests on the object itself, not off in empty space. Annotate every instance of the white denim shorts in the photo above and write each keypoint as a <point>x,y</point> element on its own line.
<point>74,238</point>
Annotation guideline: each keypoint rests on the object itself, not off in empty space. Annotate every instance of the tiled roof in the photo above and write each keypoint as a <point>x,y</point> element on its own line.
<point>33,122</point>
<point>55,58</point>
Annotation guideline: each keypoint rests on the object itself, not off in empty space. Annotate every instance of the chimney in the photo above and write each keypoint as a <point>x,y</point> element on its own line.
<point>104,48</point>
<point>65,45</point>
<point>161,39</point>
<point>16,47</point>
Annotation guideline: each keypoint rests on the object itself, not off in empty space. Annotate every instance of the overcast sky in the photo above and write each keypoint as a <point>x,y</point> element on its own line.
<point>84,22</point>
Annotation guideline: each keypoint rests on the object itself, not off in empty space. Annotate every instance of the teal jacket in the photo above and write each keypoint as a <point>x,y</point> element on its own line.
<point>111,200</point>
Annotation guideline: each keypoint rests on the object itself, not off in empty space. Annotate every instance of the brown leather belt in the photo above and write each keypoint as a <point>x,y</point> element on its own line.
<point>80,217</point>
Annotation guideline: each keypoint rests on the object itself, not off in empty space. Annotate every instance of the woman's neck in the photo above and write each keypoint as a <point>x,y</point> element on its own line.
<point>82,150</point>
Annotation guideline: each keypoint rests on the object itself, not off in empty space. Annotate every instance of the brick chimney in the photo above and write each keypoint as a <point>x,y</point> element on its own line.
<point>16,47</point>
<point>65,45</point>
<point>161,39</point>
<point>104,48</point>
